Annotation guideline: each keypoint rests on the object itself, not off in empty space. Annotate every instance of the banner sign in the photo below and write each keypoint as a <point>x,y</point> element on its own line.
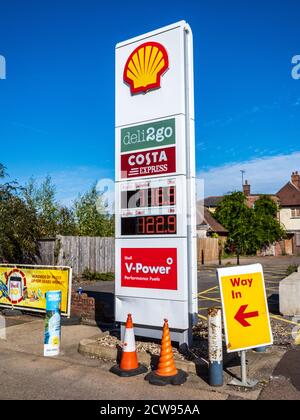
<point>52,324</point>
<point>25,287</point>
<point>146,136</point>
<point>152,268</point>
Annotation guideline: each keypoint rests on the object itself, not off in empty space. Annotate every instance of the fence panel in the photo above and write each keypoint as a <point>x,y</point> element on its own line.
<point>208,250</point>
<point>46,252</point>
<point>96,254</point>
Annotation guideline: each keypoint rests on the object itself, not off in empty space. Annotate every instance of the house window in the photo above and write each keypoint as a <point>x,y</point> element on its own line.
<point>296,212</point>
<point>297,239</point>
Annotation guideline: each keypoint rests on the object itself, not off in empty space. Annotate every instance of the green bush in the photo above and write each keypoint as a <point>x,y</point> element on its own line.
<point>291,269</point>
<point>95,276</point>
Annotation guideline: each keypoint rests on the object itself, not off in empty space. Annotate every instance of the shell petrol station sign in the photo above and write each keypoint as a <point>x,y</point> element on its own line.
<point>245,307</point>
<point>156,273</point>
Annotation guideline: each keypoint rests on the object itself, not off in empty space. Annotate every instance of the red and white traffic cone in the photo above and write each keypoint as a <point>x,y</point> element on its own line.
<point>129,365</point>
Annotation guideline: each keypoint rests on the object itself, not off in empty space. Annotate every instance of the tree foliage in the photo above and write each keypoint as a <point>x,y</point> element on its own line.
<point>18,225</point>
<point>250,229</point>
<point>90,215</point>
<point>32,212</point>
<point>52,218</point>
<point>268,229</point>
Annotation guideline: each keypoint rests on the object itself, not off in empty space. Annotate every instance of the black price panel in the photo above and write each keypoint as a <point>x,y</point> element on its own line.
<point>149,198</point>
<point>149,225</point>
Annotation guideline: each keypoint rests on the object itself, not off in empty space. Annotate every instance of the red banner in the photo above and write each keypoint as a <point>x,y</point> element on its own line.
<point>149,163</point>
<point>149,268</point>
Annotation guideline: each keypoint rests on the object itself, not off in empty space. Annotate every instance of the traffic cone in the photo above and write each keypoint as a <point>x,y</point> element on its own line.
<point>166,372</point>
<point>129,365</point>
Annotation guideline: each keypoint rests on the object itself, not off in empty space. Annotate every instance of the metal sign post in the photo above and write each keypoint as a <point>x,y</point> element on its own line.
<point>245,382</point>
<point>156,263</point>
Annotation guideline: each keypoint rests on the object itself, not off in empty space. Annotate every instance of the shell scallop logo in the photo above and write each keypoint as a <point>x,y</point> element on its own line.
<point>145,67</point>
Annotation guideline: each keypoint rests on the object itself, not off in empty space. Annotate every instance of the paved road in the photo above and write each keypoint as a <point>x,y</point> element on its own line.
<point>25,374</point>
<point>285,382</point>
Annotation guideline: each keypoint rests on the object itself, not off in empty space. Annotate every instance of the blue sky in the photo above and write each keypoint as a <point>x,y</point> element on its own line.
<point>57,103</point>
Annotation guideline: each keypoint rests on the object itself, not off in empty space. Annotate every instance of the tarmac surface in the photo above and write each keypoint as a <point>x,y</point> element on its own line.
<point>285,381</point>
<point>26,374</point>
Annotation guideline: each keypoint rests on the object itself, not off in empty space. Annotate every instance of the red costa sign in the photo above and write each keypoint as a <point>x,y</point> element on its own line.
<point>149,163</point>
<point>149,268</point>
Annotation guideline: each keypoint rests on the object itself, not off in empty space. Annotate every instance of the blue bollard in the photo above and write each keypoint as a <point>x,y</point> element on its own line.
<point>215,347</point>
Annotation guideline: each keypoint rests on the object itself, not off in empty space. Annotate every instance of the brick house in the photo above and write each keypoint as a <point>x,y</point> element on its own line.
<point>252,198</point>
<point>288,200</point>
<point>289,214</point>
<point>212,202</point>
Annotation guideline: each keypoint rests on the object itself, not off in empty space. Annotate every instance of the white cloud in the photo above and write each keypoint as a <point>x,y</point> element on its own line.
<point>266,174</point>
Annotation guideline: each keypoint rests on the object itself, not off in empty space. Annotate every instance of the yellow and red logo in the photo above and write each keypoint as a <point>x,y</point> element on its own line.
<point>145,67</point>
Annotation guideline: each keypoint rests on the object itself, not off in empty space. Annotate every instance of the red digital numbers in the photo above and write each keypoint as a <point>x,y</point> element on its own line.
<point>157,225</point>
<point>163,196</point>
<point>151,197</point>
<point>144,199</point>
<point>172,224</point>
<point>172,196</point>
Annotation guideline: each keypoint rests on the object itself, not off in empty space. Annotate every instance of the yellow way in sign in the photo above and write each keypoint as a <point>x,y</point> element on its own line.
<point>246,314</point>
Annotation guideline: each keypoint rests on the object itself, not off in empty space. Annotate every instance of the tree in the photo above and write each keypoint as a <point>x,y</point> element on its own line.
<point>90,215</point>
<point>18,225</point>
<point>66,224</point>
<point>268,229</point>
<point>2,171</point>
<point>249,229</point>
<point>53,219</point>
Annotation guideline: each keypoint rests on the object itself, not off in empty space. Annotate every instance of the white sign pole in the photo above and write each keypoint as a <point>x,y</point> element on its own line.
<point>156,262</point>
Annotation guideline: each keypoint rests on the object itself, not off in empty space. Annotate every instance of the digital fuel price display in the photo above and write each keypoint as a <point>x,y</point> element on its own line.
<point>149,208</point>
<point>149,197</point>
<point>149,225</point>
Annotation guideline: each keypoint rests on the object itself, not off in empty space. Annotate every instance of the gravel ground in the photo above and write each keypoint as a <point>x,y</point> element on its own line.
<point>281,333</point>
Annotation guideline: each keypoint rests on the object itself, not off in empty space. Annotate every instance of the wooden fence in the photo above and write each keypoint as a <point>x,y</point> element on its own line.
<point>98,254</point>
<point>207,250</point>
<point>79,252</point>
<point>46,254</point>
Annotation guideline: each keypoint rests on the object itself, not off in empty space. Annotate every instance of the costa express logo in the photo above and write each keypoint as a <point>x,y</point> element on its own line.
<point>145,67</point>
<point>149,268</point>
<point>155,162</point>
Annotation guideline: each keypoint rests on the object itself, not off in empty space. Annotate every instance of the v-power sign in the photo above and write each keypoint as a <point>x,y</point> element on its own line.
<point>156,275</point>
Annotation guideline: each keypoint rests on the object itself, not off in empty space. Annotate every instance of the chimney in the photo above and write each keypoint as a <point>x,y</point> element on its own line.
<point>296,179</point>
<point>247,188</point>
